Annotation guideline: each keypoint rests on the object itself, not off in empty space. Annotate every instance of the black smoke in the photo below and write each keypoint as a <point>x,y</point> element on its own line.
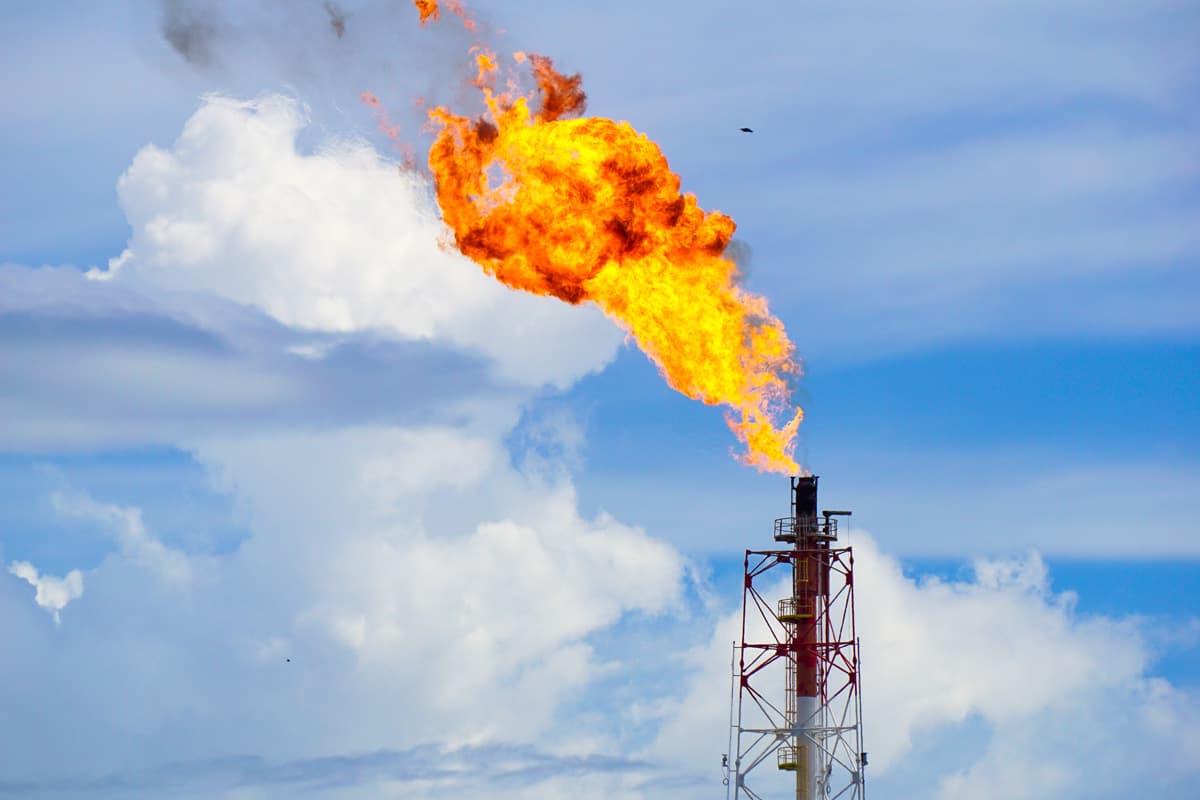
<point>337,19</point>
<point>191,29</point>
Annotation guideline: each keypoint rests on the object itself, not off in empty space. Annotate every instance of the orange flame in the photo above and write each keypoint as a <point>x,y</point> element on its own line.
<point>428,9</point>
<point>431,10</point>
<point>587,209</point>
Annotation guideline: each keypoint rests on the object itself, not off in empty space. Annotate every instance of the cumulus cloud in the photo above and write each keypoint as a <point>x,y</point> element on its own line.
<point>1142,739</point>
<point>428,547</point>
<point>361,573</point>
<point>1001,646</point>
<point>268,285</point>
<point>397,586</point>
<point>53,594</point>
<point>990,685</point>
<point>338,241</point>
<point>380,550</point>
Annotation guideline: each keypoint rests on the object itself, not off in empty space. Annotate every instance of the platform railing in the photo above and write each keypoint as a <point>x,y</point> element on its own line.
<point>788,529</point>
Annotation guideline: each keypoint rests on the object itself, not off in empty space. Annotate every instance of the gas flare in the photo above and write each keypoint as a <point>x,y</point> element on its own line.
<point>588,209</point>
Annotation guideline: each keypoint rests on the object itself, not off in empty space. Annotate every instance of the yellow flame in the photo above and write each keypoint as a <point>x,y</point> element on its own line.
<point>588,209</point>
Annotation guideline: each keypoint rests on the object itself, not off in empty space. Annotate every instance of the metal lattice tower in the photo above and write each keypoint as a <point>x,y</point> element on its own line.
<point>804,648</point>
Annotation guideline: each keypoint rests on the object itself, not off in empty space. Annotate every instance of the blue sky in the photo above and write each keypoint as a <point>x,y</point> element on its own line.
<point>277,421</point>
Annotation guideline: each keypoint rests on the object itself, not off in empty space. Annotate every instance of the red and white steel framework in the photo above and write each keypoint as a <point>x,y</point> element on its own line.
<point>795,706</point>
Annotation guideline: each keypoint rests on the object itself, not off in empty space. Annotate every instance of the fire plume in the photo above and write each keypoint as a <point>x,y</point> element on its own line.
<point>588,209</point>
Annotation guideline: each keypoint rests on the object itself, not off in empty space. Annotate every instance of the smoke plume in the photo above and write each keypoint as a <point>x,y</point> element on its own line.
<point>191,30</point>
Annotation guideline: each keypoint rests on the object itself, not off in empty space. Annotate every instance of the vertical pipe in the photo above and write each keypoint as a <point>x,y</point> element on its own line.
<point>734,744</point>
<point>808,578</point>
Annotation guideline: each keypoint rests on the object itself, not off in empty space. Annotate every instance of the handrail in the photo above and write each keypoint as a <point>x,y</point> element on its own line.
<point>795,608</point>
<point>788,529</point>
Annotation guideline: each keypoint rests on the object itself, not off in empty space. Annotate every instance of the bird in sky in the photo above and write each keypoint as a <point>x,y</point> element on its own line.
<point>746,130</point>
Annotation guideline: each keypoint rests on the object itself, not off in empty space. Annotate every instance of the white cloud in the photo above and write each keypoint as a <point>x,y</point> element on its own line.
<point>339,240</point>
<point>53,594</point>
<point>1143,739</point>
<point>423,588</point>
<point>266,286</point>
<point>1065,702</point>
<point>125,524</point>
<point>1001,646</point>
<point>377,554</point>
<point>425,550</point>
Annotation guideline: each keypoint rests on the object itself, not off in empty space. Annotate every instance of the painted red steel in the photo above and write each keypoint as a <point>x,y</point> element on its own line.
<point>815,644</point>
